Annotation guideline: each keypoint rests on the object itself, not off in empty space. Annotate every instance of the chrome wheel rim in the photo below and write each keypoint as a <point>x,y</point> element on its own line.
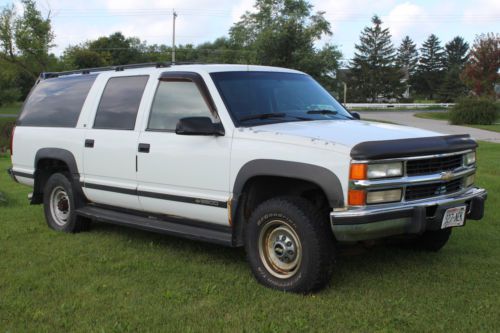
<point>60,207</point>
<point>280,249</point>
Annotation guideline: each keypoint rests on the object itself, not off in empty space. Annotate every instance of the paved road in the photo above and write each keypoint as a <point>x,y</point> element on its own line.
<point>407,118</point>
<point>8,115</point>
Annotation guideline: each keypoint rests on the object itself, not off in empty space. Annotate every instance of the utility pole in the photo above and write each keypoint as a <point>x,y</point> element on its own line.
<point>174,14</point>
<point>345,92</point>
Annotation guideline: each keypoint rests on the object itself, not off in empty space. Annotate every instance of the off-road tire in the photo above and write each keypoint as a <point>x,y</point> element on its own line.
<point>299,219</point>
<point>60,203</point>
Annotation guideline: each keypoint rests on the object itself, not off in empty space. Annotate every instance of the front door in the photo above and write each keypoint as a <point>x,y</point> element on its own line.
<point>183,175</point>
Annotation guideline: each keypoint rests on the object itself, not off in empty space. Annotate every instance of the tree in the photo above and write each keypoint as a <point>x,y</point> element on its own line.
<point>407,56</point>
<point>116,49</point>
<point>77,57</point>
<point>456,57</point>
<point>25,40</point>
<point>456,52</point>
<point>430,68</point>
<point>407,59</point>
<point>8,91</point>
<point>373,70</point>
<point>482,69</point>
<point>283,33</point>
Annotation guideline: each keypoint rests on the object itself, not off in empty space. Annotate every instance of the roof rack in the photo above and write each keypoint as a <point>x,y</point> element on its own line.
<point>118,68</point>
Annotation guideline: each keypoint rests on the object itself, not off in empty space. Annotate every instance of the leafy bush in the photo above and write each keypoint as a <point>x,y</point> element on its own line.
<point>6,126</point>
<point>475,111</point>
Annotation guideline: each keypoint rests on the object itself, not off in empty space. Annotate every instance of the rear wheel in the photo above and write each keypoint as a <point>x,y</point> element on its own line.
<point>60,204</point>
<point>289,245</point>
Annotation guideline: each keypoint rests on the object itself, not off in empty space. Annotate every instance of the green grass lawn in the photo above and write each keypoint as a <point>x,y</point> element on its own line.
<point>445,116</point>
<point>11,109</point>
<point>114,279</point>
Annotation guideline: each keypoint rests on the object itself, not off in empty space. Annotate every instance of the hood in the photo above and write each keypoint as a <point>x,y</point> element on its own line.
<point>342,132</point>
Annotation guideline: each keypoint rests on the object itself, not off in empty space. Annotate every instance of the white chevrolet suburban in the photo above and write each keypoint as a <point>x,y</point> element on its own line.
<point>239,155</point>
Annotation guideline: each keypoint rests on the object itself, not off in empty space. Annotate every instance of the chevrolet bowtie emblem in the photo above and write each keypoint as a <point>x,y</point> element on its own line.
<point>446,175</point>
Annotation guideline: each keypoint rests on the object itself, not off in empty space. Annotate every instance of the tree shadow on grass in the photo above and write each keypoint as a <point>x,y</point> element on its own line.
<point>352,262</point>
<point>223,253</point>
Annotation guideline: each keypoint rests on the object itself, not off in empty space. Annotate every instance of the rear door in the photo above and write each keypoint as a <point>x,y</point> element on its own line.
<point>111,144</point>
<point>183,175</point>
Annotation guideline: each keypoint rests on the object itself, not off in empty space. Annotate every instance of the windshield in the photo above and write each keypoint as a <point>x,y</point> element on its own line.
<point>258,98</point>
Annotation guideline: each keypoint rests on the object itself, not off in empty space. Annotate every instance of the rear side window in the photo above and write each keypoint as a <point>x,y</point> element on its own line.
<point>56,102</point>
<point>120,103</point>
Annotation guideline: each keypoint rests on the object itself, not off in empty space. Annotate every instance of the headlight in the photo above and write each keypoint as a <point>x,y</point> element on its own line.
<point>374,197</point>
<point>470,158</point>
<point>385,170</point>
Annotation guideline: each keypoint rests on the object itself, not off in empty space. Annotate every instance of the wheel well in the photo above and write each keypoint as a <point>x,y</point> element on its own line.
<point>261,188</point>
<point>44,168</point>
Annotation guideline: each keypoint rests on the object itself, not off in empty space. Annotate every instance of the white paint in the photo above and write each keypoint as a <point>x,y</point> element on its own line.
<point>193,166</point>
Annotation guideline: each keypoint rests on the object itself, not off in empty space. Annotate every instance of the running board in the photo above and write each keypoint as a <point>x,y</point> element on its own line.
<point>195,230</point>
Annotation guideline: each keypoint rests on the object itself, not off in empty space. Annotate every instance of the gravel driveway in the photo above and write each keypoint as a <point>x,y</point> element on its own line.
<point>407,118</point>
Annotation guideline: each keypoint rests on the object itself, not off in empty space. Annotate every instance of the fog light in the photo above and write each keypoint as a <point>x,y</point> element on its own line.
<point>469,181</point>
<point>375,197</point>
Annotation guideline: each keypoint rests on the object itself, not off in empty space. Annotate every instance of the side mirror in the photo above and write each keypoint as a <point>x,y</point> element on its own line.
<point>356,115</point>
<point>198,126</point>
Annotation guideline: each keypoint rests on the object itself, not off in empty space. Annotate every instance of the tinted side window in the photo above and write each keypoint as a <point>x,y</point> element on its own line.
<point>175,100</point>
<point>120,102</point>
<point>56,102</point>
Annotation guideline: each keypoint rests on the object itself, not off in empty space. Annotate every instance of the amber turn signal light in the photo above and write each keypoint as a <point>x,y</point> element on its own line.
<point>358,171</point>
<point>356,198</point>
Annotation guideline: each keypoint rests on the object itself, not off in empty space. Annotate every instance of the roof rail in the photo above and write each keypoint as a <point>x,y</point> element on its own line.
<point>117,68</point>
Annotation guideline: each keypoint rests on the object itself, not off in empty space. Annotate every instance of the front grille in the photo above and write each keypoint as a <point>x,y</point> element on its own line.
<point>433,165</point>
<point>416,192</point>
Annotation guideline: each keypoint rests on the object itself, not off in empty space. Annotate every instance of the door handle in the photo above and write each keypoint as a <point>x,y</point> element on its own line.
<point>144,147</point>
<point>89,143</point>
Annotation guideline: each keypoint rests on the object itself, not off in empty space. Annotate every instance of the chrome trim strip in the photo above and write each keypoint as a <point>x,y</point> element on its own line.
<point>398,159</point>
<point>409,180</point>
<point>402,206</point>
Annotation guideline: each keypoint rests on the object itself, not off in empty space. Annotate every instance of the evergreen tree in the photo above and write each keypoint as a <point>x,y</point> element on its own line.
<point>373,70</point>
<point>407,60</point>
<point>429,75</point>
<point>407,57</point>
<point>456,57</point>
<point>456,52</point>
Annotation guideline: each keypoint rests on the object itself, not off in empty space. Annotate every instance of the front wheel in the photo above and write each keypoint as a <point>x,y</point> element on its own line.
<point>60,204</point>
<point>289,245</point>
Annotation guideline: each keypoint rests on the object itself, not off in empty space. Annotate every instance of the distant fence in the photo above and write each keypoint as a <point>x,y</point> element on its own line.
<point>398,105</point>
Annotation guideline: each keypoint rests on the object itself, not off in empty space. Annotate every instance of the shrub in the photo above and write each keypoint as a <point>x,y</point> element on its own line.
<point>475,111</point>
<point>6,126</point>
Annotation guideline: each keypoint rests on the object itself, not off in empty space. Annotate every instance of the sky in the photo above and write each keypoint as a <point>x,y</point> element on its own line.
<point>198,21</point>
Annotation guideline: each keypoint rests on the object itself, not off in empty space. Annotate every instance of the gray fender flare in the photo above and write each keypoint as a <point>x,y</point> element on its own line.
<point>62,155</point>
<point>322,177</point>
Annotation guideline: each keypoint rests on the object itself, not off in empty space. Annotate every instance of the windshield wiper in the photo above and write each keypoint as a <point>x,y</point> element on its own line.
<point>263,116</point>
<point>329,112</point>
<point>322,111</point>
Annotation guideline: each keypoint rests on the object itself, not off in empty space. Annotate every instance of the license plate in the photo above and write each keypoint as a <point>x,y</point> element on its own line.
<point>453,217</point>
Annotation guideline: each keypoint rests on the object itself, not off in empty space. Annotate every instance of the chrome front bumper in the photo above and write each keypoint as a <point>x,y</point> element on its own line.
<point>379,221</point>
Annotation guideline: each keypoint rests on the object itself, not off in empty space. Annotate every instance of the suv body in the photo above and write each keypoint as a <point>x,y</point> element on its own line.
<point>211,152</point>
